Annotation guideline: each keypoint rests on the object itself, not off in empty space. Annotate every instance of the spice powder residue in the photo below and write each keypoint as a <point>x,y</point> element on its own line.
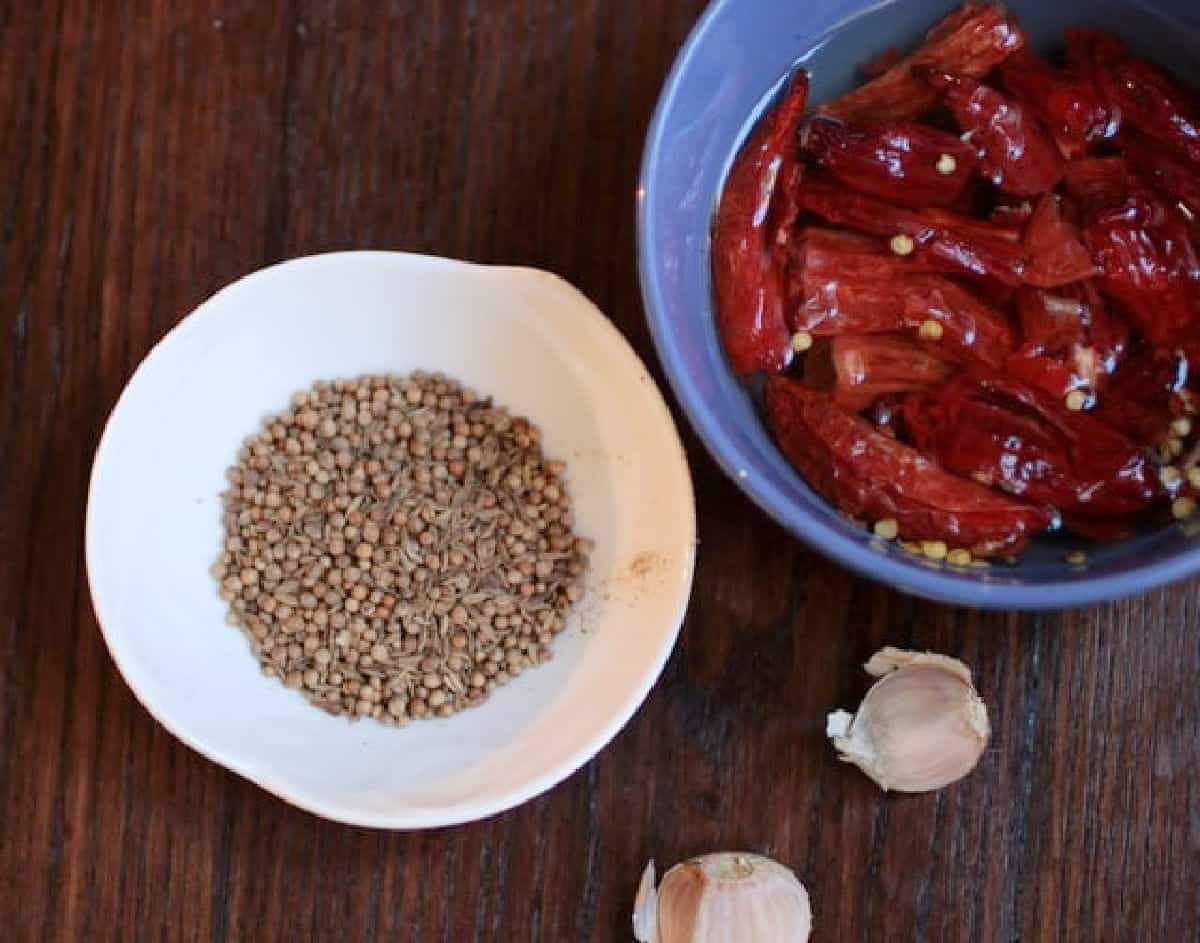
<point>644,572</point>
<point>646,563</point>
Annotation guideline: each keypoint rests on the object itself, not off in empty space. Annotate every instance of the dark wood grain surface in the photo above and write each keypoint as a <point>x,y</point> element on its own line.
<point>150,152</point>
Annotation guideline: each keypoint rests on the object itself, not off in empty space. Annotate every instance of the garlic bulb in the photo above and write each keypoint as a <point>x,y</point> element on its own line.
<point>729,897</point>
<point>922,726</point>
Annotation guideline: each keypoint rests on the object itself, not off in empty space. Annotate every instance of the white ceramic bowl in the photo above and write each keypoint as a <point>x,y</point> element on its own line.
<point>523,336</point>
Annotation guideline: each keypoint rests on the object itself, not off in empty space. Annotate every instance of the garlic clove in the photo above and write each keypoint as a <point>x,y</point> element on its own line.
<point>890,658</point>
<point>728,897</point>
<point>921,727</point>
<point>645,907</point>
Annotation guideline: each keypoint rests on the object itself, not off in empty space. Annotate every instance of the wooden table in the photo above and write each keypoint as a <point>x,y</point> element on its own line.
<point>152,151</point>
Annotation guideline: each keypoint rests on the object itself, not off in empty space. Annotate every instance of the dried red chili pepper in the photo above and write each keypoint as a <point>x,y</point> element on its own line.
<point>1099,179</point>
<point>1108,332</point>
<point>880,63</point>
<point>868,367</point>
<point>1019,156</point>
<point>904,162</point>
<point>1054,247</point>
<point>1091,52</point>
<point>884,414</point>
<point>970,246</point>
<point>1139,92</point>
<point>746,267</point>
<point>835,253</point>
<point>973,40</point>
<point>1019,439</point>
<point>1148,393</point>
<point>1171,176</point>
<point>1068,102</point>
<point>1143,94</point>
<point>1069,341</point>
<point>972,330</point>
<point>832,298</point>
<point>1012,214</point>
<point>869,475</point>
<point>1142,246</point>
<point>825,259</point>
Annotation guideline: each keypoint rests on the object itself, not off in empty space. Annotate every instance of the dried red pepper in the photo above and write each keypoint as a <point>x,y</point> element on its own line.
<point>884,414</point>
<point>1142,246</point>
<point>846,305</point>
<point>746,266</point>
<point>1099,179</point>
<point>1019,156</point>
<point>834,253</point>
<point>1149,392</point>
<point>1171,176</point>
<point>907,163</point>
<point>1070,341</point>
<point>1067,101</point>
<point>858,289</point>
<point>1012,214</point>
<point>1094,52</point>
<point>869,475</point>
<point>822,257</point>
<point>880,63</point>
<point>973,40</point>
<point>969,246</point>
<point>1054,247</point>
<point>1141,93</point>
<point>1011,435</point>
<point>868,367</point>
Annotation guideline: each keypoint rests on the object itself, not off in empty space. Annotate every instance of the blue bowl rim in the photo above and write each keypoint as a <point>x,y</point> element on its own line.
<point>822,536</point>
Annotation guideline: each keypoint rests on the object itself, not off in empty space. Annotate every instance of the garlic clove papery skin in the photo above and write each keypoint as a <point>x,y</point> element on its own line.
<point>921,727</point>
<point>728,897</point>
<point>645,907</point>
<point>890,658</point>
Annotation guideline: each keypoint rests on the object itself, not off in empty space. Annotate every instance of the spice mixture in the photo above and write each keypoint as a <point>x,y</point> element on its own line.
<point>396,547</point>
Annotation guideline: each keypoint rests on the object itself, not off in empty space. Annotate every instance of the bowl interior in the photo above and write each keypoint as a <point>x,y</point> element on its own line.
<point>524,337</point>
<point>726,74</point>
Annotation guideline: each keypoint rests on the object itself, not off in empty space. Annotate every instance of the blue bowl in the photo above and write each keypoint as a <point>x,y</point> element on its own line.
<point>726,74</point>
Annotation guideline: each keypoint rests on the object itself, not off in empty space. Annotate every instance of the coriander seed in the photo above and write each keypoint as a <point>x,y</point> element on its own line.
<point>395,547</point>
